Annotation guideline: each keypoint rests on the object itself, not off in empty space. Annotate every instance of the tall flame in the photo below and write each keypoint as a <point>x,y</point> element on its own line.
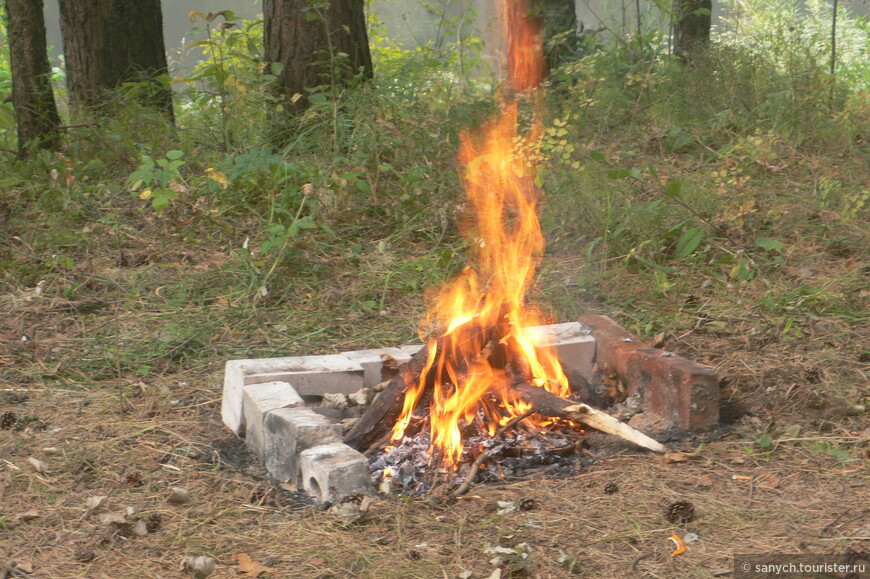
<point>484,348</point>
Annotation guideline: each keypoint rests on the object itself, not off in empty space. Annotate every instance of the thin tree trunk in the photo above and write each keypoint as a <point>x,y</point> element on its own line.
<point>35,110</point>
<point>558,23</point>
<point>111,42</point>
<point>692,22</point>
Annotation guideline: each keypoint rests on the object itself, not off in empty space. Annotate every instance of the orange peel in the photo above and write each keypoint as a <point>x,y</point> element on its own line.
<point>681,546</point>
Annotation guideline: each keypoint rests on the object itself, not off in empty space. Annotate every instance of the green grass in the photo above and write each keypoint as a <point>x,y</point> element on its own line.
<point>670,194</point>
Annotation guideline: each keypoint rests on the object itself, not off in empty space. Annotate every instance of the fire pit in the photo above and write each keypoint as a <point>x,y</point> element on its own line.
<point>495,378</point>
<point>277,404</point>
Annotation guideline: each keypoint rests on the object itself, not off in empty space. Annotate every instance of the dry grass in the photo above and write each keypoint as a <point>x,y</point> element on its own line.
<point>787,474</point>
<point>132,442</point>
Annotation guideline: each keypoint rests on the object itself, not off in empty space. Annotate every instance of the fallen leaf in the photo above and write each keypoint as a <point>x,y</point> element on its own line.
<point>96,503</point>
<point>37,464</point>
<point>705,481</point>
<point>505,507</point>
<point>116,518</point>
<point>248,566</point>
<point>317,561</point>
<point>29,515</point>
<point>25,566</point>
<point>672,457</point>
<point>768,481</point>
<point>217,177</point>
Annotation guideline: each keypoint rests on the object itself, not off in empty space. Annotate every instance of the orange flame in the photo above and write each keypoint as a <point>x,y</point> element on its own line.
<point>484,348</point>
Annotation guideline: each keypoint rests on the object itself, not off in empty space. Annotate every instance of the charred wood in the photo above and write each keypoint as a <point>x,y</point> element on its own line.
<point>550,405</point>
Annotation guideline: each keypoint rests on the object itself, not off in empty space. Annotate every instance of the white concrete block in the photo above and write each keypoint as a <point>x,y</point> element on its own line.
<point>307,374</point>
<point>289,431</point>
<point>258,400</point>
<point>574,345</point>
<point>332,472</point>
<point>315,383</point>
<point>373,361</point>
<point>231,400</point>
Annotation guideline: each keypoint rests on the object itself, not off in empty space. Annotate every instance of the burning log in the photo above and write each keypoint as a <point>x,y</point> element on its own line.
<point>379,418</point>
<point>553,406</point>
<point>382,413</point>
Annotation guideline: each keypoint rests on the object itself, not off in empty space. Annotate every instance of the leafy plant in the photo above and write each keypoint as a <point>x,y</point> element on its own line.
<point>158,179</point>
<point>7,118</point>
<point>796,37</point>
<point>833,450</point>
<point>229,76</point>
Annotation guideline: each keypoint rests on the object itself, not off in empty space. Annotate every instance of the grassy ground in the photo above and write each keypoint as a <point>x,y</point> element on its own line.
<point>739,242</point>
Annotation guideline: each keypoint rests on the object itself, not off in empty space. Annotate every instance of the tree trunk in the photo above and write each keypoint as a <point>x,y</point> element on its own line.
<point>32,97</point>
<point>692,21</point>
<point>111,42</point>
<point>559,29</point>
<point>313,43</point>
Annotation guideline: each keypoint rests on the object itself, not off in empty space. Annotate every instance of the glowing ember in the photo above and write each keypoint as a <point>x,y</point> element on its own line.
<point>484,349</point>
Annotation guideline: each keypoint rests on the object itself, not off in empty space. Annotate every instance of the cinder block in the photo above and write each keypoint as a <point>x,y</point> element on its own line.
<point>332,472</point>
<point>574,345</point>
<point>308,375</point>
<point>259,400</point>
<point>375,362</point>
<point>682,391</point>
<point>289,431</point>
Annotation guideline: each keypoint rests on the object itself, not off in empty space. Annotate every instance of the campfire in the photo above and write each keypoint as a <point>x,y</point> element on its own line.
<point>488,395</point>
<point>483,377</point>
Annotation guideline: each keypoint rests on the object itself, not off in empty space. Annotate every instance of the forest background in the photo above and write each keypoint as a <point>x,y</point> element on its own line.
<point>711,196</point>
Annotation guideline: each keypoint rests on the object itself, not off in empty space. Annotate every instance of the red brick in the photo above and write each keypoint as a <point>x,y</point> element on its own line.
<point>673,387</point>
